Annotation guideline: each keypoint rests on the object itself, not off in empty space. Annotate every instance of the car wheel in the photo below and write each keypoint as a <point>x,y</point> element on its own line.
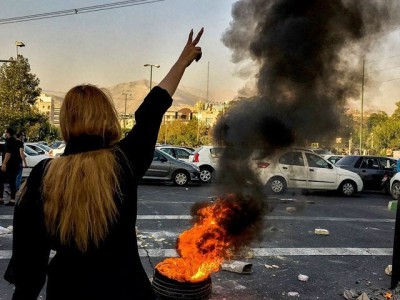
<point>205,174</point>
<point>180,178</point>
<point>276,185</point>
<point>348,188</point>
<point>396,190</point>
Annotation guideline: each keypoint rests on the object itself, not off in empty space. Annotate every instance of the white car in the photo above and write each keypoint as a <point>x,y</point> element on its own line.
<point>177,152</point>
<point>57,148</point>
<point>31,157</point>
<point>303,169</point>
<point>395,186</point>
<point>39,148</point>
<point>206,158</point>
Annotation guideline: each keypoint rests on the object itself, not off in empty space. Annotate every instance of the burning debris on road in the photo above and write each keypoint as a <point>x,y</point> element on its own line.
<point>220,230</point>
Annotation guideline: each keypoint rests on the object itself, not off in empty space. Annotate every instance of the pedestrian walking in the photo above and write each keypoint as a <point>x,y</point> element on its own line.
<point>11,160</point>
<point>83,204</point>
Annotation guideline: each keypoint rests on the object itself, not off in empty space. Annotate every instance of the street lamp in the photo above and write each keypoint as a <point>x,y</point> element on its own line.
<point>19,44</point>
<point>151,71</point>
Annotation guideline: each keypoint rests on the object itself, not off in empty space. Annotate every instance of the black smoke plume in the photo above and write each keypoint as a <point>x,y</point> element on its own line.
<point>306,53</point>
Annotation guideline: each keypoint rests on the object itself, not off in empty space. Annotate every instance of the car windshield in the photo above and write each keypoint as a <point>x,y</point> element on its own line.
<point>56,144</point>
<point>345,161</point>
<point>29,151</point>
<point>44,147</point>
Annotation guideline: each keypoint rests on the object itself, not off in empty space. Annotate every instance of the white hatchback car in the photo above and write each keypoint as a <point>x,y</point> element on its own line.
<point>206,158</point>
<point>303,169</point>
<point>395,186</point>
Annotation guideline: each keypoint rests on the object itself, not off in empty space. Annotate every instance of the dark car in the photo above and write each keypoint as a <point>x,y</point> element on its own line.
<point>167,168</point>
<point>371,169</point>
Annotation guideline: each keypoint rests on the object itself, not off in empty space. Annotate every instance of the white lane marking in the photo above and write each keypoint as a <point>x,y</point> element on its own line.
<point>265,252</point>
<point>187,217</point>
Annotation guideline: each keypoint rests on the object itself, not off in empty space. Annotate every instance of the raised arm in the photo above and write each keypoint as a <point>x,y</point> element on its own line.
<point>190,52</point>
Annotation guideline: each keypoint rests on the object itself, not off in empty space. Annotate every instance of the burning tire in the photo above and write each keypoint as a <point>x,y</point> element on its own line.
<point>348,188</point>
<point>276,185</point>
<point>396,190</point>
<point>206,174</point>
<point>169,289</point>
<point>180,178</point>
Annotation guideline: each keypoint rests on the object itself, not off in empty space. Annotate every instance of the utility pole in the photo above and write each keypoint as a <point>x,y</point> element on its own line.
<point>126,100</point>
<point>208,78</point>
<point>151,72</point>
<point>362,106</point>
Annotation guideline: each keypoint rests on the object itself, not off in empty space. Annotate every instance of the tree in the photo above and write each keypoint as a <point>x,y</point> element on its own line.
<point>187,133</point>
<point>19,89</point>
<point>396,113</point>
<point>376,119</point>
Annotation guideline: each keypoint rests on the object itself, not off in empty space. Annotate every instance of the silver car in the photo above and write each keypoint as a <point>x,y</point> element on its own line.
<point>167,168</point>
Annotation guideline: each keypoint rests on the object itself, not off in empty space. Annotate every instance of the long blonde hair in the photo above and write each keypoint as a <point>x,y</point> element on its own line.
<point>79,189</point>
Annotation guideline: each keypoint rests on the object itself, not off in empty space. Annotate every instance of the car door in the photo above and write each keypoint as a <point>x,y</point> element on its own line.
<point>160,166</point>
<point>371,173</point>
<point>320,173</point>
<point>292,166</point>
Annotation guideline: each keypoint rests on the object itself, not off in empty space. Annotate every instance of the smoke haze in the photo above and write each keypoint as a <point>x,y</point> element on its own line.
<point>307,54</point>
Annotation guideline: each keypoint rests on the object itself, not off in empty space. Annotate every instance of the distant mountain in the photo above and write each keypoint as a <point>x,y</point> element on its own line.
<point>136,91</point>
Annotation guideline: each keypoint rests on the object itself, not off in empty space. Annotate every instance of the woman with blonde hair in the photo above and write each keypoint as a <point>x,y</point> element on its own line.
<point>83,205</point>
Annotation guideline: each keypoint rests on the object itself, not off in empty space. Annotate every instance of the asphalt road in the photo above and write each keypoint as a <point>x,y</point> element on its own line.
<point>353,256</point>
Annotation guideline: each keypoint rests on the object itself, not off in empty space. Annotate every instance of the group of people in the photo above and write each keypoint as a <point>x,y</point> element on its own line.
<point>83,204</point>
<point>13,161</point>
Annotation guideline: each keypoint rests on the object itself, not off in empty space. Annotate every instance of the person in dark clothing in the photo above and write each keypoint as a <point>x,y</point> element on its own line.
<point>10,165</point>
<point>83,204</point>
<point>20,145</point>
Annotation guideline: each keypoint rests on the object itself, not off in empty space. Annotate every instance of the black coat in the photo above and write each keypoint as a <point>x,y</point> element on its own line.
<point>111,271</point>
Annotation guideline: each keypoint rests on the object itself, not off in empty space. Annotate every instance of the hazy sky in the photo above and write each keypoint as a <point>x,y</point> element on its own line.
<point>110,47</point>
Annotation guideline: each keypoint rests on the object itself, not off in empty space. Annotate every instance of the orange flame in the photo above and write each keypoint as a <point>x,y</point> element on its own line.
<point>388,295</point>
<point>203,247</point>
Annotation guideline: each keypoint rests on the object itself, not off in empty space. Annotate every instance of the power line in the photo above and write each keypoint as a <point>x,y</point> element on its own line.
<point>385,69</point>
<point>393,79</point>
<point>82,10</point>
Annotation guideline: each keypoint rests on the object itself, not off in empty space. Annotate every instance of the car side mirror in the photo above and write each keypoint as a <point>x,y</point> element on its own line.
<point>330,166</point>
<point>163,159</point>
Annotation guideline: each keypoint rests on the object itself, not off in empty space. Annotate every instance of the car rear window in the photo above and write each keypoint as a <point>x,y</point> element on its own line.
<point>216,152</point>
<point>345,161</point>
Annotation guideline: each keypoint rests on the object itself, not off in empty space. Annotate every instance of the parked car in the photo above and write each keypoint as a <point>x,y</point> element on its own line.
<point>320,151</point>
<point>333,158</point>
<point>177,152</point>
<point>167,168</point>
<point>395,186</point>
<point>32,158</point>
<point>39,147</point>
<point>206,158</point>
<point>303,169</point>
<point>57,148</point>
<point>371,169</point>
